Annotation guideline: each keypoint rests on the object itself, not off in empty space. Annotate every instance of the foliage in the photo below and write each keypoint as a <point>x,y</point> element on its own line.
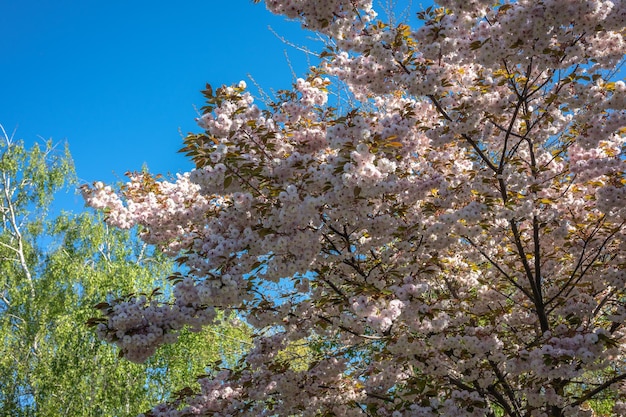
<point>451,245</point>
<point>53,271</point>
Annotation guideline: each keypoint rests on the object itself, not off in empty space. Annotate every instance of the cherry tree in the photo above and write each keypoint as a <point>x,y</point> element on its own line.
<point>449,241</point>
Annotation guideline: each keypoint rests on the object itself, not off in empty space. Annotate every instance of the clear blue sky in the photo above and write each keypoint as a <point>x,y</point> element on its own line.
<point>119,79</point>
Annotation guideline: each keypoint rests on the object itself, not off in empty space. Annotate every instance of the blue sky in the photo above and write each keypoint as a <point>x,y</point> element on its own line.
<point>119,80</point>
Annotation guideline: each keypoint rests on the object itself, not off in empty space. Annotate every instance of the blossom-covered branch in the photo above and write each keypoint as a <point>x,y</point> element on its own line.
<point>452,246</point>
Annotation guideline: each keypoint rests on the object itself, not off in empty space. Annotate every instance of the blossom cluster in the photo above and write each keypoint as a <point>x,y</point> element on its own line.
<point>449,241</point>
<point>138,326</point>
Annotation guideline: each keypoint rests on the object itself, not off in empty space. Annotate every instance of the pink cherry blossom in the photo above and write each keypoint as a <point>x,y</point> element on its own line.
<point>449,240</point>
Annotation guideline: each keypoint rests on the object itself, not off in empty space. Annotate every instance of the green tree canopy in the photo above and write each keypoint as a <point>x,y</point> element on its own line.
<point>54,269</point>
